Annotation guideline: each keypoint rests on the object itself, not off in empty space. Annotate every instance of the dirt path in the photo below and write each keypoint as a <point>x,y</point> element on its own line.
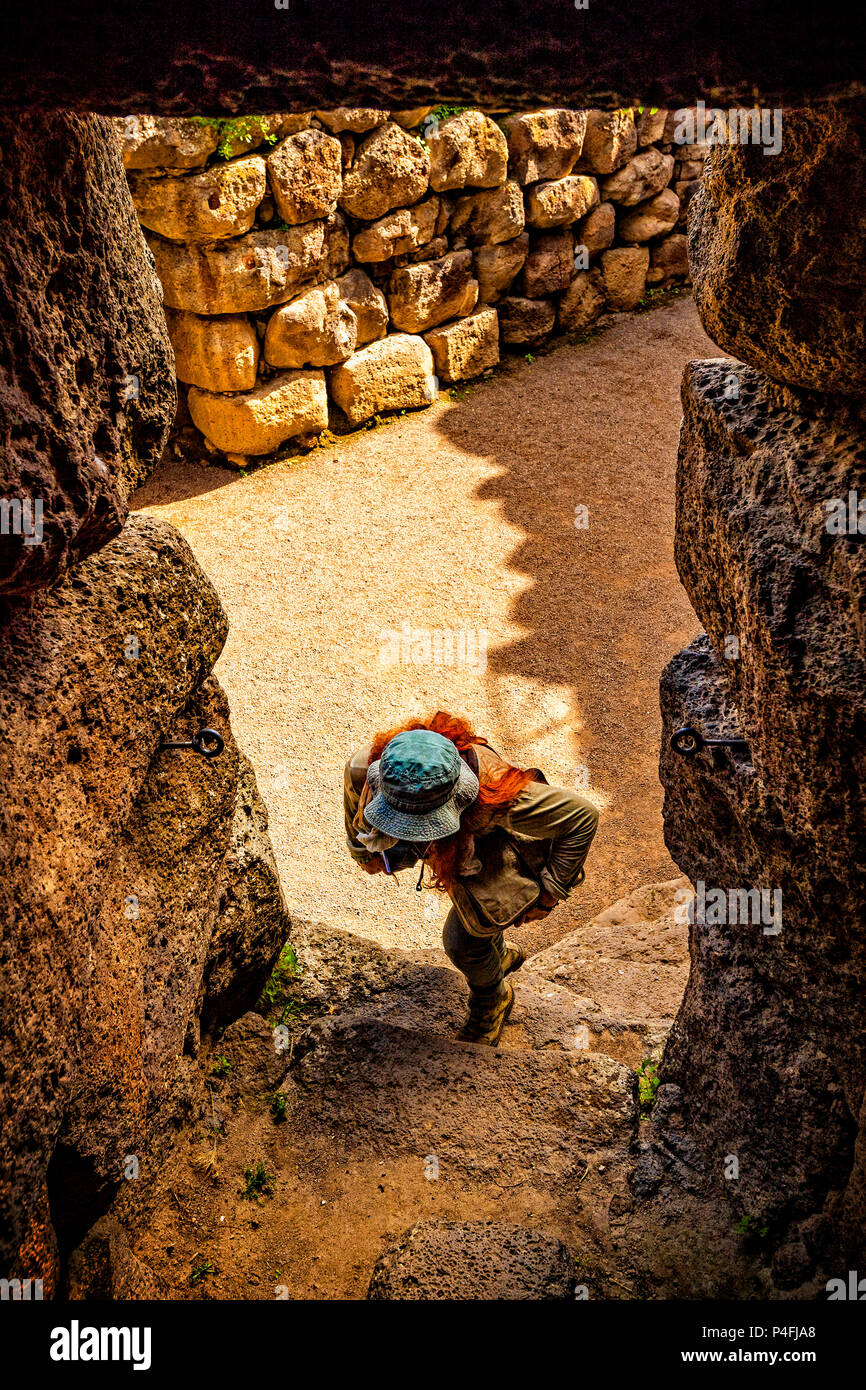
<point>461,518</point>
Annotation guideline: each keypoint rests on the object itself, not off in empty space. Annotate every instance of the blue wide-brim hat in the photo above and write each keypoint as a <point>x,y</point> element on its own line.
<point>420,785</point>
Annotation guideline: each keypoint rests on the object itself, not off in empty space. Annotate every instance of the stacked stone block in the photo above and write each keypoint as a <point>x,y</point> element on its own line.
<point>321,269</point>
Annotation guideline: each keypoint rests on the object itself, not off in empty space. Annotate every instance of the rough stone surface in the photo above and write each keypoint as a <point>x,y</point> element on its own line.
<point>467,151</point>
<point>252,922</point>
<point>624,270</point>
<point>496,267</point>
<point>198,60</point>
<point>669,260</point>
<point>317,329</point>
<point>305,174</point>
<point>525,320</point>
<point>609,142</point>
<point>251,272</point>
<point>218,354</point>
<point>650,125</point>
<point>582,302</point>
<point>86,378</point>
<point>81,722</point>
<point>413,117</point>
<point>549,267</point>
<point>466,347</point>
<point>544,144</point>
<point>219,202</point>
<point>395,373</point>
<point>390,170</point>
<point>619,980</point>
<point>779,254</point>
<point>758,466</point>
<point>596,231</point>
<point>644,175</point>
<point>491,217</point>
<point>398,232</point>
<point>164,142</point>
<point>367,303</point>
<point>462,1260</point>
<point>104,1267</point>
<point>652,218</point>
<point>564,201</point>
<point>356,119</point>
<point>259,421</point>
<point>424,295</point>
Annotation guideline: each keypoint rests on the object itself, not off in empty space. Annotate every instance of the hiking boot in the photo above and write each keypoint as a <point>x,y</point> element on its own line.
<point>487,1015</point>
<point>512,958</point>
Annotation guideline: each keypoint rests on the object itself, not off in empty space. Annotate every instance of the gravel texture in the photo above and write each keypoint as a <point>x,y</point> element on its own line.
<point>461,517</point>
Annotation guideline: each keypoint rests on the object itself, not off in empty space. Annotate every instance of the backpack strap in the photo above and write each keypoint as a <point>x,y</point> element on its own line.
<point>470,757</point>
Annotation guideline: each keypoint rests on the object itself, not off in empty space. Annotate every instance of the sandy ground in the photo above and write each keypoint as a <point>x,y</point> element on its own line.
<point>461,519</point>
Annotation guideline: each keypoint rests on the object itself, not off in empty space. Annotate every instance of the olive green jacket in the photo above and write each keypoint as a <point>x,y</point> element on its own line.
<point>548,832</point>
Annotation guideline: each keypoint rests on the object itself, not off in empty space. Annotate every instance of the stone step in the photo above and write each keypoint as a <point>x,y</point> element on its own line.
<point>611,987</point>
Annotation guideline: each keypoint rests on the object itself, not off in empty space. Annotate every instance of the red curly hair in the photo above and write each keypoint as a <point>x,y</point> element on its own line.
<point>496,790</point>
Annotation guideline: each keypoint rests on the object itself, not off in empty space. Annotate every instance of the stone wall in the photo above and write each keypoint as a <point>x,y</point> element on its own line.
<point>321,269</point>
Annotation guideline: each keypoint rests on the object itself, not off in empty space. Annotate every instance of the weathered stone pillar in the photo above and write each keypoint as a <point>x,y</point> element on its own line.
<point>770,1044</point>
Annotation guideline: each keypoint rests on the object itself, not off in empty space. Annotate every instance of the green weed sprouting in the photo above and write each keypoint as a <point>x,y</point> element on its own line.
<point>233,130</point>
<point>279,1107</point>
<point>648,1081</point>
<point>259,1183</point>
<point>201,1268</point>
<point>221,1066</point>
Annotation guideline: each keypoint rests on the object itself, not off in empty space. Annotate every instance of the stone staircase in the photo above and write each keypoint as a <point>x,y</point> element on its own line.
<point>545,1125</point>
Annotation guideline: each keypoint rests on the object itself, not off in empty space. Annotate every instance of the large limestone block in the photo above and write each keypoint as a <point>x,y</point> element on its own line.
<point>669,260</point>
<point>544,144</point>
<point>561,202</point>
<point>356,119</point>
<point>390,170</point>
<point>652,218</point>
<point>250,272</point>
<point>648,173</point>
<point>549,266</point>
<point>523,322</point>
<point>496,267</point>
<point>218,354</point>
<point>251,132</point>
<point>420,296</point>
<point>650,124</point>
<point>598,229</point>
<point>395,373</point>
<point>490,217</point>
<point>466,347</point>
<point>87,386</point>
<point>624,270</point>
<point>165,142</point>
<point>398,232</point>
<point>261,420</point>
<point>448,1260</point>
<point>367,303</point>
<point>219,202</point>
<point>467,151</point>
<point>305,174</point>
<point>413,117</point>
<point>778,251</point>
<point>609,142</point>
<point>582,302</point>
<point>317,329</point>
